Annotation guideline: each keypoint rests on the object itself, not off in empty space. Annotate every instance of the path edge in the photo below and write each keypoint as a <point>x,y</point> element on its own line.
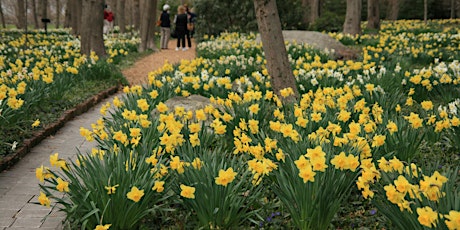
<point>8,161</point>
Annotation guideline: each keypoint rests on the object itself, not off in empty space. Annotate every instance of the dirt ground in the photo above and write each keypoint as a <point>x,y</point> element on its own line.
<point>138,73</point>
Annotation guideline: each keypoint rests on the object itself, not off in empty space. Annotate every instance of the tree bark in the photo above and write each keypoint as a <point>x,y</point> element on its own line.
<point>271,35</point>
<point>393,10</point>
<point>352,23</point>
<point>314,11</point>
<point>67,14</point>
<point>35,14</point>
<point>147,27</point>
<point>425,11</point>
<point>121,6</point>
<point>452,9</point>
<point>2,16</point>
<point>58,13</point>
<point>75,11</point>
<point>128,13</point>
<point>136,14</point>
<point>43,7</point>
<point>91,30</point>
<point>373,14</point>
<point>305,16</point>
<point>21,14</point>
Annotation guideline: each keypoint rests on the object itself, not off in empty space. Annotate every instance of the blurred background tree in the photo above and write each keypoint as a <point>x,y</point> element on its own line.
<point>216,16</point>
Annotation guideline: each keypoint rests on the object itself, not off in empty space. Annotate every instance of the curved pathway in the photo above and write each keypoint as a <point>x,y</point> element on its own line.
<point>19,188</point>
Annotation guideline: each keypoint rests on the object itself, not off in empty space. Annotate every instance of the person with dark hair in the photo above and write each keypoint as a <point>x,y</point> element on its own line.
<point>190,25</point>
<point>181,27</point>
<point>165,24</point>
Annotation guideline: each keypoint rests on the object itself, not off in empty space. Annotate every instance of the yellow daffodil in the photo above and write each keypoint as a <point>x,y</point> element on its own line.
<point>135,194</point>
<point>187,191</point>
<point>225,177</point>
<point>102,227</point>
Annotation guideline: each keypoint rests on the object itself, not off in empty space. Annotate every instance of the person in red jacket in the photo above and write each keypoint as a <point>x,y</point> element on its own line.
<point>108,20</point>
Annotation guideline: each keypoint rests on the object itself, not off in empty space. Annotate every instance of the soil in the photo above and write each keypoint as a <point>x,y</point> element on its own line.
<point>137,74</point>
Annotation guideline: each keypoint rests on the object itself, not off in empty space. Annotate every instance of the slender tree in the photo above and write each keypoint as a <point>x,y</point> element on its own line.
<point>91,30</point>
<point>452,9</point>
<point>43,8</point>
<point>121,5</point>
<point>67,14</point>
<point>305,16</point>
<point>147,26</point>
<point>393,10</point>
<point>74,12</point>
<point>425,11</point>
<point>314,10</point>
<point>35,14</point>
<point>58,13</point>
<point>136,14</point>
<point>2,16</point>
<point>352,23</point>
<point>373,14</point>
<point>21,14</point>
<point>278,65</point>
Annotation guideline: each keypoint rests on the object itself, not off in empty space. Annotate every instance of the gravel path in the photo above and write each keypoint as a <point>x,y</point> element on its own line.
<point>137,74</point>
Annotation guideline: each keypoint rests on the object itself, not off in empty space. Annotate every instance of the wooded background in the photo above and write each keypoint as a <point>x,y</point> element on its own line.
<point>268,17</point>
<point>221,15</point>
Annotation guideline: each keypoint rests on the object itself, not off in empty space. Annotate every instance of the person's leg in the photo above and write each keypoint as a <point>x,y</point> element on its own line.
<point>167,35</point>
<point>106,27</point>
<point>183,41</point>
<point>111,27</point>
<point>189,42</point>
<point>178,41</point>
<point>162,38</point>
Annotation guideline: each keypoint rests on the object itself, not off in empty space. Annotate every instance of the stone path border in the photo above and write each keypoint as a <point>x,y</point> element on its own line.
<point>68,115</point>
<point>19,188</point>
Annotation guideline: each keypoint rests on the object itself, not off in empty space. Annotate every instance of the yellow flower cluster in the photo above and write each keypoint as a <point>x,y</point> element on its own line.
<point>225,177</point>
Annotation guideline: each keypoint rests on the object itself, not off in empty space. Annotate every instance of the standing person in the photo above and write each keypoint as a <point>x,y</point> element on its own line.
<point>181,27</point>
<point>165,27</point>
<point>191,21</point>
<point>108,19</point>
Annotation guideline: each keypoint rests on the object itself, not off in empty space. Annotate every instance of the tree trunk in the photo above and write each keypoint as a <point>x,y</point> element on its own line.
<point>452,9</point>
<point>305,16</point>
<point>121,15</point>
<point>91,30</point>
<point>373,14</point>
<point>67,14</point>
<point>58,13</point>
<point>393,10</point>
<point>271,35</point>
<point>314,11</point>
<point>2,16</point>
<point>75,11</point>
<point>147,27</point>
<point>425,11</point>
<point>35,14</point>
<point>21,14</point>
<point>43,7</point>
<point>136,14</point>
<point>352,23</point>
<point>128,13</point>
<point>457,9</point>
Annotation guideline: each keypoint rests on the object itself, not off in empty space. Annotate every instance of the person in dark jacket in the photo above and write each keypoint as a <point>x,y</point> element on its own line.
<point>191,20</point>
<point>165,27</point>
<point>181,27</point>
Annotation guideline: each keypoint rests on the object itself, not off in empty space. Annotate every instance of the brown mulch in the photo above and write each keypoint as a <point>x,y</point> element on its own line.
<point>138,73</point>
